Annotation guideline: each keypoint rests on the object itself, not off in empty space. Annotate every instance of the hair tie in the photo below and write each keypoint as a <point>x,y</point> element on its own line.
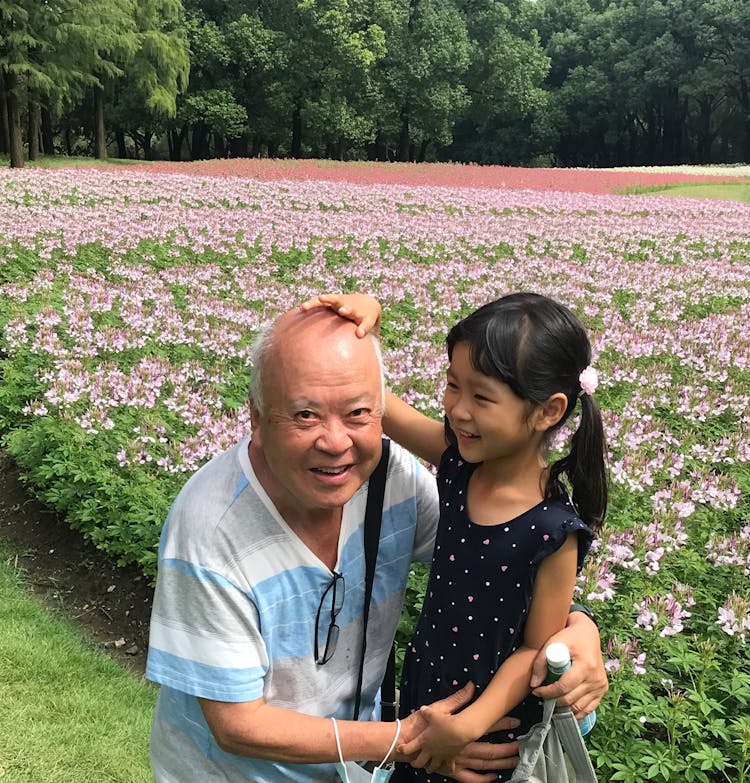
<point>589,380</point>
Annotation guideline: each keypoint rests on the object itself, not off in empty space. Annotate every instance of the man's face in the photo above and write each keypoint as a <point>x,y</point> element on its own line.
<point>320,432</point>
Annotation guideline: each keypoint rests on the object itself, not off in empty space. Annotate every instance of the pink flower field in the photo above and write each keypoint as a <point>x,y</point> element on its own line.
<point>130,296</point>
<point>436,174</point>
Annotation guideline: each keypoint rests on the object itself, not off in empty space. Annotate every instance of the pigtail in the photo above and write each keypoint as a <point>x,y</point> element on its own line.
<point>585,467</point>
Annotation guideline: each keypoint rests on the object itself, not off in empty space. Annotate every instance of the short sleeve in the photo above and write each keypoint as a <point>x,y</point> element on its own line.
<point>557,533</point>
<point>205,637</point>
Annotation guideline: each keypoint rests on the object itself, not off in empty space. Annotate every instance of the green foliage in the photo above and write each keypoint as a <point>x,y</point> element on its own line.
<point>217,110</point>
<point>635,82</point>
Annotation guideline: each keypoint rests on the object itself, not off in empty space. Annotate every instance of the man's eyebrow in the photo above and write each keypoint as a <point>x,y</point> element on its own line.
<point>357,401</point>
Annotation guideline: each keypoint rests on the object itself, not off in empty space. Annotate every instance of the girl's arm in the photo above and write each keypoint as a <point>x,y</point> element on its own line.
<point>446,735</point>
<point>416,432</point>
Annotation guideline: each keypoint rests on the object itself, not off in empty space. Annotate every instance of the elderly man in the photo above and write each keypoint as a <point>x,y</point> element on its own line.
<point>262,554</point>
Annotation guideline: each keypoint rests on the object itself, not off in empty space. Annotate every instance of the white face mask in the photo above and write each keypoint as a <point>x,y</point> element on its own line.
<point>351,772</point>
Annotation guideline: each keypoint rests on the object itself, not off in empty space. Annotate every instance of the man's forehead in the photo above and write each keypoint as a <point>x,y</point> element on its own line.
<point>320,323</point>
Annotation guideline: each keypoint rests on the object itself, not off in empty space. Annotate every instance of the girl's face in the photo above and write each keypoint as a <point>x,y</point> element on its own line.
<point>490,422</point>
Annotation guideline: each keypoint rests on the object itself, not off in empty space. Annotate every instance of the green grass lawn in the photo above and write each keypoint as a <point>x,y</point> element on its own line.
<point>69,713</point>
<point>63,161</point>
<point>728,191</point>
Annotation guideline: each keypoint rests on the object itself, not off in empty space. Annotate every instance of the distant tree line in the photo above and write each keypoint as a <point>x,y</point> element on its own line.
<point>569,82</point>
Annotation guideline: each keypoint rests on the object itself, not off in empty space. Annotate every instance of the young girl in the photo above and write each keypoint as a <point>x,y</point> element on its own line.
<point>511,539</point>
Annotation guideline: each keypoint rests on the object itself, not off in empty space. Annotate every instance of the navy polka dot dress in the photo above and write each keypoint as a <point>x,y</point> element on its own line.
<point>478,595</point>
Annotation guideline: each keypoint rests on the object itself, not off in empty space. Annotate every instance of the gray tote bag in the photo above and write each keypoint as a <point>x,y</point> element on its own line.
<point>553,750</point>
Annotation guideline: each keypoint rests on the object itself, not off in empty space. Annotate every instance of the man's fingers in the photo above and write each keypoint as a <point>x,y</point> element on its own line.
<point>487,756</point>
<point>569,693</point>
<point>469,776</point>
<point>480,761</point>
<point>539,668</point>
<point>505,724</point>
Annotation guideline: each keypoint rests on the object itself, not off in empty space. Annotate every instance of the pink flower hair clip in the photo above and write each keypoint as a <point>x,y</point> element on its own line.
<point>589,380</point>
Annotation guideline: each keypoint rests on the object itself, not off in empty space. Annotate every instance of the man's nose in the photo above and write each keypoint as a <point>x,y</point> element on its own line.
<point>334,437</point>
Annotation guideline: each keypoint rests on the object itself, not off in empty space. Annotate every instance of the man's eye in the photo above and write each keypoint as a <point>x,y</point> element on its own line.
<point>304,415</point>
<point>358,413</point>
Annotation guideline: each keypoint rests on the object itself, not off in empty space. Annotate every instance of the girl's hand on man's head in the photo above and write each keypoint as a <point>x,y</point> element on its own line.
<point>362,309</point>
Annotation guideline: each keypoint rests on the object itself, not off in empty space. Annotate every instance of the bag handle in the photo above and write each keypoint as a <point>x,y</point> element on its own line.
<point>373,519</point>
<point>573,744</point>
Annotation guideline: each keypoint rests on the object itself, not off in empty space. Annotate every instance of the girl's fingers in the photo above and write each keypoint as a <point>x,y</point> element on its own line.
<point>410,748</point>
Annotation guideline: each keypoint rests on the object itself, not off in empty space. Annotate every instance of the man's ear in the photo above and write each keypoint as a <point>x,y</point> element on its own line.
<point>550,412</point>
<point>254,417</point>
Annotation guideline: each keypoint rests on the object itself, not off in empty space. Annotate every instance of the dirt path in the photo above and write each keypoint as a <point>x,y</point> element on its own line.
<point>109,605</point>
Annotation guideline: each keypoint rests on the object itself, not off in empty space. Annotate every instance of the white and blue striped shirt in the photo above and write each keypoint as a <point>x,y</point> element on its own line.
<point>235,606</point>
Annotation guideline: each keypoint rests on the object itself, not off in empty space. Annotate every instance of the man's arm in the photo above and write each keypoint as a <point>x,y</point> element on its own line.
<point>262,731</point>
<point>585,683</point>
<point>259,730</point>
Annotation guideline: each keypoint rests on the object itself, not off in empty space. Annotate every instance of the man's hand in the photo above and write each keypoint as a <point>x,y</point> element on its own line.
<point>364,310</point>
<point>584,684</point>
<point>478,762</point>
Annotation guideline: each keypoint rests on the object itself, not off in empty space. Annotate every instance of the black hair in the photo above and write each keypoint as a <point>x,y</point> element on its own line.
<point>538,348</point>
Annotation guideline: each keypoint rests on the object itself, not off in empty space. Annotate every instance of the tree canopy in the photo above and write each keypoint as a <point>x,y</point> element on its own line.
<point>574,82</point>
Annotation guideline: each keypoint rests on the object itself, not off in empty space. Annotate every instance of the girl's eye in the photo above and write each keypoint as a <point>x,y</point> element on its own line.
<point>451,385</point>
<point>481,398</point>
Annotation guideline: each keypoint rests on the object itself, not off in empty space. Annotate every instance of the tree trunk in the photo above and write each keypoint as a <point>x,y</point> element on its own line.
<point>34,122</point>
<point>48,133</point>
<point>68,142</point>
<point>15,138</point>
<point>240,147</point>
<point>220,146</point>
<point>381,146</point>
<point>744,144</point>
<point>423,150</point>
<point>296,150</point>
<point>176,141</point>
<point>122,150</point>
<point>100,133</point>
<point>148,152</point>
<point>403,139</point>
<point>199,147</point>
<point>4,134</point>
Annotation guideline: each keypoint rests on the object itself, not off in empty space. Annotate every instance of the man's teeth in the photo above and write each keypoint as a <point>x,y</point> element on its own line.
<point>330,471</point>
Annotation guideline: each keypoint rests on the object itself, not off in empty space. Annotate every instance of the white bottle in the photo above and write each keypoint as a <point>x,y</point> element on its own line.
<point>558,661</point>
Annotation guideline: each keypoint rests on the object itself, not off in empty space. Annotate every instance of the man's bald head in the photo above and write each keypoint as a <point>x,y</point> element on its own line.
<point>295,333</point>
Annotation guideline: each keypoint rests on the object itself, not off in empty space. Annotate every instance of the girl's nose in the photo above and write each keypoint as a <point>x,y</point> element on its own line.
<point>458,409</point>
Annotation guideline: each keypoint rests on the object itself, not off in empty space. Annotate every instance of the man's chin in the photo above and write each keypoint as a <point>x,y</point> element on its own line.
<point>336,492</point>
